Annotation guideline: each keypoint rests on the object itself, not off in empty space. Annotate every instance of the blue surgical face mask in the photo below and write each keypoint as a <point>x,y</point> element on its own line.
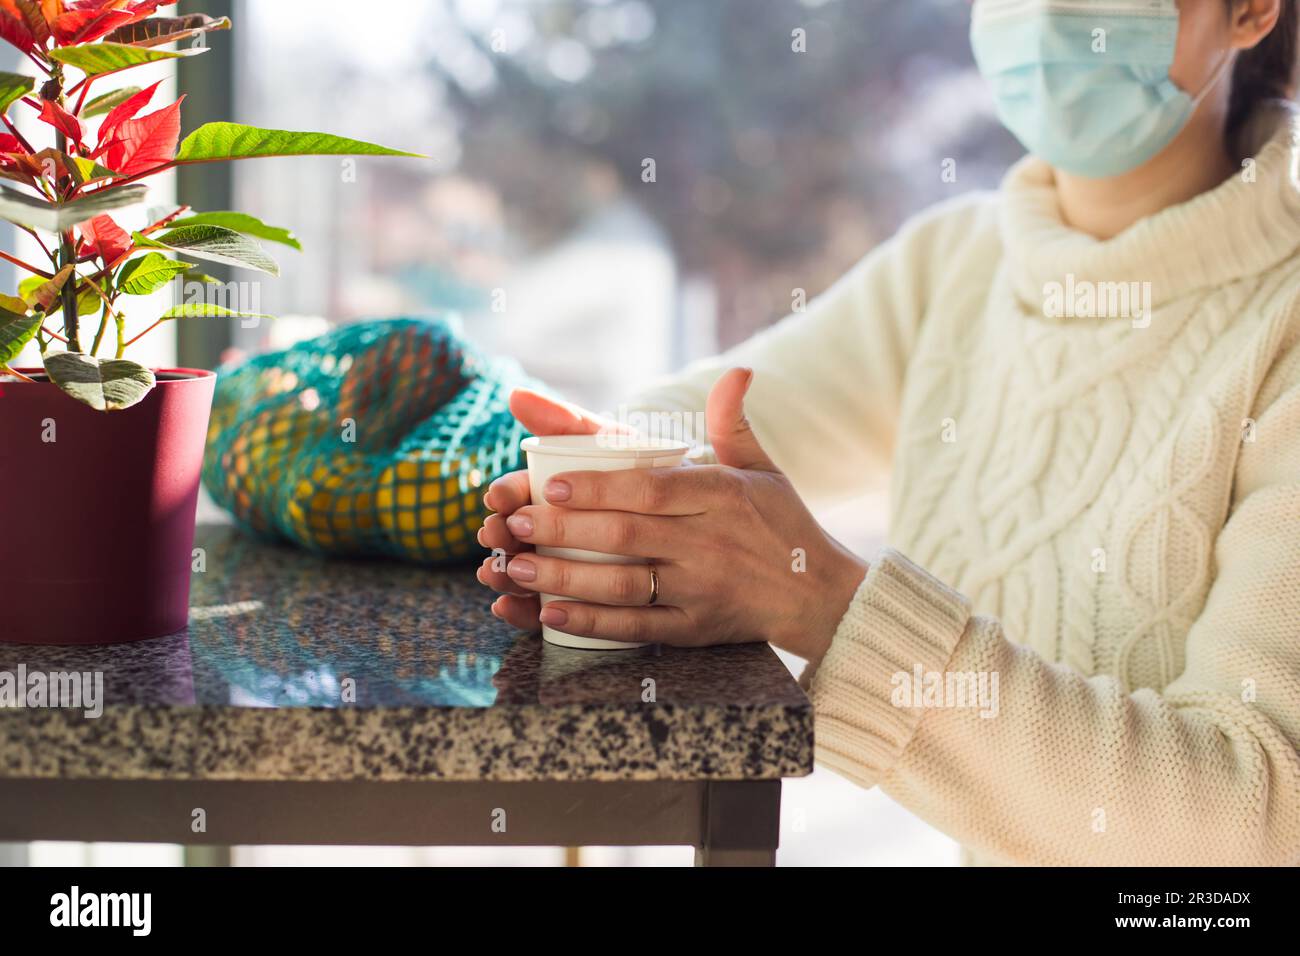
<point>1084,84</point>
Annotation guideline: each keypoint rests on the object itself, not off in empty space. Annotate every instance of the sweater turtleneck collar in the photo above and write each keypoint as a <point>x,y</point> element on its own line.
<point>1244,226</point>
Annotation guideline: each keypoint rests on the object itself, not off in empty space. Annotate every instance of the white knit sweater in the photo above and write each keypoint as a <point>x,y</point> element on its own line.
<point>1100,512</point>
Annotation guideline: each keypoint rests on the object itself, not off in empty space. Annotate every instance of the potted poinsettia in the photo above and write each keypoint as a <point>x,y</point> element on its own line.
<point>99,455</point>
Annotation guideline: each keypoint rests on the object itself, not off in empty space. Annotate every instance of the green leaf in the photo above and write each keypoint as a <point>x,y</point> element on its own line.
<point>15,304</point>
<point>12,86</point>
<point>105,385</point>
<point>100,59</point>
<point>16,330</point>
<point>213,142</point>
<point>55,217</point>
<point>88,303</point>
<point>242,222</point>
<point>214,243</point>
<point>87,170</point>
<point>204,310</point>
<point>148,274</point>
<point>106,101</point>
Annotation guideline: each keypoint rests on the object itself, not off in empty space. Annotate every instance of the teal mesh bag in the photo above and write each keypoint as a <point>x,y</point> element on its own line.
<point>377,438</point>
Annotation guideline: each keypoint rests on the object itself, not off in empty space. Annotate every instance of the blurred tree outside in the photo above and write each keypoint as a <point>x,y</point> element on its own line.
<point>775,169</point>
<point>787,138</point>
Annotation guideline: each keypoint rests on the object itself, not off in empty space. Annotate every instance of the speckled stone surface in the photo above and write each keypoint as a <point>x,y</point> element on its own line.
<point>253,690</point>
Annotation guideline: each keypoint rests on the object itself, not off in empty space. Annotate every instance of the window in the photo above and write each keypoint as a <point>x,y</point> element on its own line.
<point>615,186</point>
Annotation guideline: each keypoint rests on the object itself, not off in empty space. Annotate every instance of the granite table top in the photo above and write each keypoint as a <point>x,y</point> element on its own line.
<point>298,667</point>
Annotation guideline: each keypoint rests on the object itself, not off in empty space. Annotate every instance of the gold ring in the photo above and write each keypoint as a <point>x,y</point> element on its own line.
<point>654,586</point>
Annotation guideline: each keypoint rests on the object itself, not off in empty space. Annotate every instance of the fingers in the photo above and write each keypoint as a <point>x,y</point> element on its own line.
<point>624,585</point>
<point>609,532</point>
<point>495,535</point>
<point>543,415</point>
<point>518,611</point>
<point>656,624</point>
<point>653,491</point>
<point>508,493</point>
<point>615,621</point>
<point>642,624</point>
<point>492,573</point>
<point>732,439</point>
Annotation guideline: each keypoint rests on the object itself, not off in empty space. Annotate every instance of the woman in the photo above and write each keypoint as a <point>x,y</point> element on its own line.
<point>1088,387</point>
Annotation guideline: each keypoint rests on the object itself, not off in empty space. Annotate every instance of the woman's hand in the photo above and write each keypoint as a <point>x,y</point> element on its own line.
<point>541,416</point>
<point>738,556</point>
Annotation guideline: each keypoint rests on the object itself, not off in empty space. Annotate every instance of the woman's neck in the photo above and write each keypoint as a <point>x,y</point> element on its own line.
<point>1195,162</point>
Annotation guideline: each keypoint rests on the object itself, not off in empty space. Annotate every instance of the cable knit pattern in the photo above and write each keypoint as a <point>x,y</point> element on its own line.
<point>1100,510</point>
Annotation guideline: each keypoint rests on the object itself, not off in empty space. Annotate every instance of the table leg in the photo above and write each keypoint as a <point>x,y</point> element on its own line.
<point>707,857</point>
<point>742,823</point>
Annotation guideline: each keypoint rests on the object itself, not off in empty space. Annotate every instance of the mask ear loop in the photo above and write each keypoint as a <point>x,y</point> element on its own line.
<point>1214,79</point>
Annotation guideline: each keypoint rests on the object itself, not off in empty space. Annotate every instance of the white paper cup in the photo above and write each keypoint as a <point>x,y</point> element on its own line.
<point>552,454</point>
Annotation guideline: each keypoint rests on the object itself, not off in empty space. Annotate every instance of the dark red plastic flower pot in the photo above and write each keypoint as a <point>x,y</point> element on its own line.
<point>96,527</point>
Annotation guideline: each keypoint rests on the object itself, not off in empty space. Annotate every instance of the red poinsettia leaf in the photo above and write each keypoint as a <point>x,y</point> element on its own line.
<point>50,161</point>
<point>14,174</point>
<point>62,120</point>
<point>124,111</point>
<point>80,21</point>
<point>29,11</point>
<point>84,26</point>
<point>11,167</point>
<point>105,238</point>
<point>49,164</point>
<point>141,144</point>
<point>88,20</point>
<point>147,8</point>
<point>13,29</point>
<point>21,161</point>
<point>9,144</point>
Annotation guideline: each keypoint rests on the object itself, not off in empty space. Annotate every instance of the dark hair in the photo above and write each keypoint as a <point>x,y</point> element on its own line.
<point>1267,71</point>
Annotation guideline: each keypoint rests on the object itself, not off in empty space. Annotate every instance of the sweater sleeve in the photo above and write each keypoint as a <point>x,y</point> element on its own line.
<point>1065,769</point>
<point>828,381</point>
